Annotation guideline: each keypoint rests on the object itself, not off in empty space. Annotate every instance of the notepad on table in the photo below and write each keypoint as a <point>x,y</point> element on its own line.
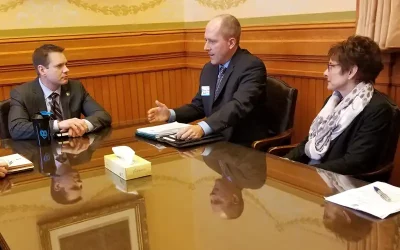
<point>17,163</point>
<point>380,203</point>
<point>160,130</point>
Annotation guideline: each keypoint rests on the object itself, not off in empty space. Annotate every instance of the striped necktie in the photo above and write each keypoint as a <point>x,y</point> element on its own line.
<point>55,107</point>
<point>221,73</point>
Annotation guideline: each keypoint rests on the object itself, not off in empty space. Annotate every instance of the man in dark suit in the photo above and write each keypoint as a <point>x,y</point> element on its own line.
<point>240,168</point>
<point>231,94</point>
<point>53,91</point>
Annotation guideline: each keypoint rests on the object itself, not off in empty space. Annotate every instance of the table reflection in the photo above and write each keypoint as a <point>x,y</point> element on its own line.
<point>239,168</point>
<point>181,205</point>
<point>57,160</point>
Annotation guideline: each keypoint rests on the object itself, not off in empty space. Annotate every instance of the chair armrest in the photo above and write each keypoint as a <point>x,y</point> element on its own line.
<point>282,150</point>
<point>273,141</point>
<point>381,174</point>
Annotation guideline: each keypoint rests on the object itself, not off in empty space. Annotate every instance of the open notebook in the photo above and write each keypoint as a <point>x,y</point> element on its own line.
<point>17,163</point>
<point>166,134</point>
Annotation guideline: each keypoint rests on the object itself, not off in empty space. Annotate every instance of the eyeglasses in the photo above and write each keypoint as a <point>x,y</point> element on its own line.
<point>330,66</point>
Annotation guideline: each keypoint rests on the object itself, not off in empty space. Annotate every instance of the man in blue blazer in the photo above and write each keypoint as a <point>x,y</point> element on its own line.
<point>231,94</point>
<point>53,91</point>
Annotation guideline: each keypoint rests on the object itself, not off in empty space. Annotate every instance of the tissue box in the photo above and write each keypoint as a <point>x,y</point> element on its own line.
<point>139,168</point>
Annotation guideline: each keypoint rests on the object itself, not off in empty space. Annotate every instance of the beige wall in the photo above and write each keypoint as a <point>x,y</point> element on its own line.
<point>64,13</point>
<point>43,17</point>
<point>204,9</point>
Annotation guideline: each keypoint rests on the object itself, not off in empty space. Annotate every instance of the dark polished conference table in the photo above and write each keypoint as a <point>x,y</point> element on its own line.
<point>215,196</point>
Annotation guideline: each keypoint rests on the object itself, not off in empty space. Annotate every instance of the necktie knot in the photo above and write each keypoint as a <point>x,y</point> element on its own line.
<point>53,96</point>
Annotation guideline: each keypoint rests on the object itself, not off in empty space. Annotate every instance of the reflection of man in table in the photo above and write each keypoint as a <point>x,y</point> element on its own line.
<point>343,222</point>
<point>239,168</point>
<point>56,161</point>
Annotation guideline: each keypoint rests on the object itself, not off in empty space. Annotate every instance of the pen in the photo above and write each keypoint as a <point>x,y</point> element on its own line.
<point>382,194</point>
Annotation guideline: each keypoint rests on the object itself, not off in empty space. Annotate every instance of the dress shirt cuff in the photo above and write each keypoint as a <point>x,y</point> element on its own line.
<point>55,126</point>
<point>172,116</point>
<point>206,128</point>
<point>206,151</point>
<point>89,125</point>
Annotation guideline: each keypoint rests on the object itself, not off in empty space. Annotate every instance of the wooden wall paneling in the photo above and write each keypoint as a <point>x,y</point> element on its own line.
<point>126,86</point>
<point>119,91</point>
<point>2,93</point>
<point>90,87</point>
<point>147,93</point>
<point>98,90</point>
<point>113,99</point>
<point>160,86</point>
<point>105,93</point>
<point>186,85</point>
<point>178,80</point>
<point>6,91</point>
<point>134,98</point>
<point>172,88</point>
<point>141,98</point>
<point>166,100</point>
<point>153,89</point>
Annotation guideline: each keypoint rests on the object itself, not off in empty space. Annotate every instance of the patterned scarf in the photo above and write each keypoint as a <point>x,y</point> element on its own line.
<point>334,118</point>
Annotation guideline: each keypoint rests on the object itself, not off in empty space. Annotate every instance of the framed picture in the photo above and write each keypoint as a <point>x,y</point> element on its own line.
<point>3,243</point>
<point>120,226</point>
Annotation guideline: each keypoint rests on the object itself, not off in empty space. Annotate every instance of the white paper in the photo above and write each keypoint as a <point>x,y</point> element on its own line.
<point>366,199</point>
<point>165,129</point>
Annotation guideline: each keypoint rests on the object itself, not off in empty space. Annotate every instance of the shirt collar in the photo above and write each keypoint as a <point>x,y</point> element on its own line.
<point>46,91</point>
<point>225,65</point>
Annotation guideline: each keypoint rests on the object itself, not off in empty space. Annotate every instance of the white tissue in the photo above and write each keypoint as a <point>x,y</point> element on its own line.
<point>125,153</point>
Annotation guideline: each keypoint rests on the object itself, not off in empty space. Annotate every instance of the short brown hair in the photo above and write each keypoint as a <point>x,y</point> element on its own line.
<point>230,27</point>
<point>41,55</point>
<point>358,51</point>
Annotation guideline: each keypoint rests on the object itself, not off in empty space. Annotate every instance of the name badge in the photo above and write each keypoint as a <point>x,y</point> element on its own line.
<point>205,90</point>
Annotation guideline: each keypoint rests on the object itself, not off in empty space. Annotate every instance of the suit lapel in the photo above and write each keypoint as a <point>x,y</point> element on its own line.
<point>228,72</point>
<point>39,100</point>
<point>65,99</point>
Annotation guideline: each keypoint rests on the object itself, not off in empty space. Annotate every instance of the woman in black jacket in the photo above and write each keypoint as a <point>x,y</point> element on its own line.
<point>349,133</point>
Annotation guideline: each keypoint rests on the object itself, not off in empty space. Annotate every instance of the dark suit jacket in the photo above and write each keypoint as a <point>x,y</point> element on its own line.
<point>239,110</point>
<point>245,167</point>
<point>28,99</point>
<point>360,147</point>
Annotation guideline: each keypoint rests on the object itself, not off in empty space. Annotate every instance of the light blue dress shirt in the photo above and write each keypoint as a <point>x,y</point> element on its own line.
<point>206,128</point>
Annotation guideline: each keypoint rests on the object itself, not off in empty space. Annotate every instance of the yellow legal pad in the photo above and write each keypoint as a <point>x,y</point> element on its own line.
<point>139,168</point>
